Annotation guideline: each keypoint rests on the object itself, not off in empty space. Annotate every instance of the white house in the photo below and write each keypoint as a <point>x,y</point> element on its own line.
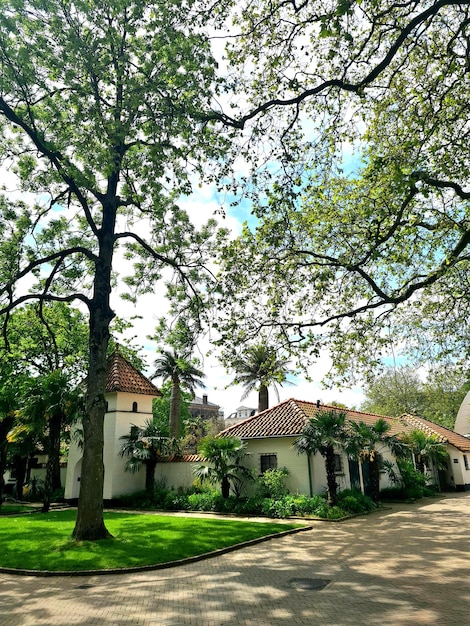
<point>129,396</point>
<point>269,437</point>
<point>462,421</point>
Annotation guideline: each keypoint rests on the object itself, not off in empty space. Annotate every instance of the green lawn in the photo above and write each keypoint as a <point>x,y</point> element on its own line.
<point>42,541</point>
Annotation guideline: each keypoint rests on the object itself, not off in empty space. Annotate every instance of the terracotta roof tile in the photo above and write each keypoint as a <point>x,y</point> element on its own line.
<point>122,376</point>
<point>185,458</point>
<point>289,418</point>
<point>444,434</point>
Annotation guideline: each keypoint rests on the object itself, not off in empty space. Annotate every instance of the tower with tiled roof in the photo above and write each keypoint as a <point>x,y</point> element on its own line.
<point>129,396</point>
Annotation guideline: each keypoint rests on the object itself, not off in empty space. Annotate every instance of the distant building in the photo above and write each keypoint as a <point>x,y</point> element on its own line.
<point>242,413</point>
<point>201,407</point>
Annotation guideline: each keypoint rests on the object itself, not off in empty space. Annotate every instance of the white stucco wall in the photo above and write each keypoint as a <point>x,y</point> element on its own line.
<point>458,474</point>
<point>176,474</point>
<point>117,422</point>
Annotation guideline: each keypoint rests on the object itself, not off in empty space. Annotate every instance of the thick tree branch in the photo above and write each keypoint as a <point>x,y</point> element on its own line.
<point>57,257</point>
<point>14,303</point>
<point>340,84</point>
<point>55,158</point>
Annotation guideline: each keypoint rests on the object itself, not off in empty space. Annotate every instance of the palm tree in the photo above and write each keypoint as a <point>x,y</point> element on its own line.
<point>424,447</point>
<point>50,403</point>
<point>365,442</point>
<point>181,372</point>
<point>226,455</point>
<point>144,445</point>
<point>325,433</point>
<point>259,368</point>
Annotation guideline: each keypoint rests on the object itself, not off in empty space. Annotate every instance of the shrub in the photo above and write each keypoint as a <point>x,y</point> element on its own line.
<point>336,512</point>
<point>138,500</point>
<point>176,501</point>
<point>410,484</point>
<point>278,508</point>
<point>272,484</point>
<point>353,501</point>
<point>249,506</point>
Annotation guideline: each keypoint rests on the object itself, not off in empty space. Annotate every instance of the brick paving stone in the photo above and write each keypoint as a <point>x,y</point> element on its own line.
<point>405,565</point>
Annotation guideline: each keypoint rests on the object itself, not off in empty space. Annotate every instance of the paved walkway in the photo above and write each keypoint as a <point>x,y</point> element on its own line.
<point>406,565</point>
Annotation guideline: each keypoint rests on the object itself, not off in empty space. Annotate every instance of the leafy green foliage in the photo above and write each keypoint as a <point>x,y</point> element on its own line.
<point>143,446</point>
<point>272,483</point>
<point>409,482</point>
<point>104,120</point>
<point>400,390</point>
<point>349,502</point>
<point>225,456</point>
<point>259,367</point>
<point>325,433</point>
<point>362,232</point>
<point>180,371</point>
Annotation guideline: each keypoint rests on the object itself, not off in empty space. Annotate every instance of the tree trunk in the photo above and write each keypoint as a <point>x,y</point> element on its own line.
<point>150,466</point>
<point>53,461</point>
<point>263,398</point>
<point>225,487</point>
<point>374,473</point>
<point>19,463</point>
<point>90,523</point>
<point>331,476</point>
<point>175,409</point>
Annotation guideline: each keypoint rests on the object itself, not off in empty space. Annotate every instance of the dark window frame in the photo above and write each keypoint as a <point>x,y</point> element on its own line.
<point>267,460</point>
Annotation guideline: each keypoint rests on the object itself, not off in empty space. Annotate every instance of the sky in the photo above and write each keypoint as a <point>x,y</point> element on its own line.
<point>202,205</point>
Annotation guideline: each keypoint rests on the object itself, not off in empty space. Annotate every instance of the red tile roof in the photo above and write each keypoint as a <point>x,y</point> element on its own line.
<point>444,434</point>
<point>122,376</point>
<point>289,418</point>
<point>182,458</point>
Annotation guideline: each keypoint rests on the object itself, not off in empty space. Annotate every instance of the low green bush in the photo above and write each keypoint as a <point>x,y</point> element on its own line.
<point>272,483</point>
<point>409,483</point>
<point>354,501</point>
<point>211,500</point>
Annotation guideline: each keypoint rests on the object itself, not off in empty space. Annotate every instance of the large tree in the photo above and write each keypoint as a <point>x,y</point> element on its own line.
<point>46,346</point>
<point>100,120</point>
<point>363,217</point>
<point>400,390</point>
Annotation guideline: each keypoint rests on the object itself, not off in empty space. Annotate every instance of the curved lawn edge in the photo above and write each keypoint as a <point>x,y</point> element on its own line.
<point>157,566</point>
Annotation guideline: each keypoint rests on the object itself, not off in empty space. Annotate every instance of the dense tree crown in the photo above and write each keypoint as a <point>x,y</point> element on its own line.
<point>363,217</point>
<point>400,390</point>
<point>101,118</point>
<point>109,110</point>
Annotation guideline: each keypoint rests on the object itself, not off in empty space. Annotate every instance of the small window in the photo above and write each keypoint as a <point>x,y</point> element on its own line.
<point>134,407</point>
<point>106,406</point>
<point>465,460</point>
<point>338,464</point>
<point>268,461</point>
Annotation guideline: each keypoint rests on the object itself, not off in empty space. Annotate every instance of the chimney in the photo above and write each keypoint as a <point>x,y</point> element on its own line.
<point>204,399</point>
